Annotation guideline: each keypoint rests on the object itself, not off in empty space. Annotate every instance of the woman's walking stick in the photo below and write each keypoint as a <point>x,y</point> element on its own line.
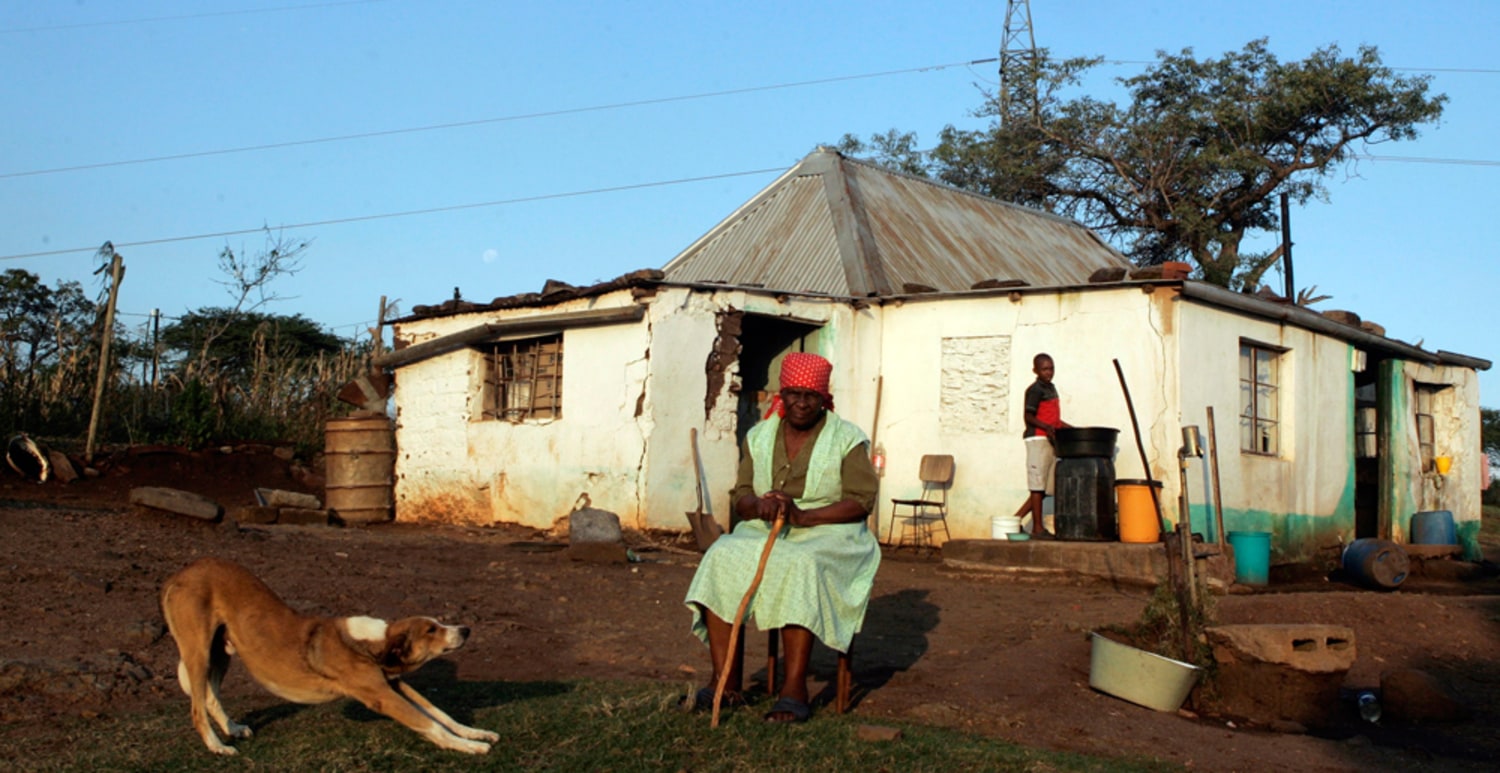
<point>739,617</point>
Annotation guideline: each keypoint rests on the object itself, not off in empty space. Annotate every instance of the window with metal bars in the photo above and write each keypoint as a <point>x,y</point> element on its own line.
<point>523,379</point>
<point>1426,395</point>
<point>1260,412</point>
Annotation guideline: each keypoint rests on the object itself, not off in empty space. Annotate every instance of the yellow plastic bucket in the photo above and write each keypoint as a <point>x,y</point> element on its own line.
<point>1137,507</point>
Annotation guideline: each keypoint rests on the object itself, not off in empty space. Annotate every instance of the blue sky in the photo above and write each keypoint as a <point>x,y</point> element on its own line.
<point>507,124</point>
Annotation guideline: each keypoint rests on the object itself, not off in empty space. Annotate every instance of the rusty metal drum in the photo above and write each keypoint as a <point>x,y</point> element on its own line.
<point>360,454</point>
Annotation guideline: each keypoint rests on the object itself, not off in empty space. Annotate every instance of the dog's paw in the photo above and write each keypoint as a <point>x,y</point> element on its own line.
<point>237,730</point>
<point>476,734</point>
<point>226,751</point>
<point>472,747</point>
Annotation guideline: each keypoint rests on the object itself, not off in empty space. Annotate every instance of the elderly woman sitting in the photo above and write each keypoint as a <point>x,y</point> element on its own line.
<point>807,463</point>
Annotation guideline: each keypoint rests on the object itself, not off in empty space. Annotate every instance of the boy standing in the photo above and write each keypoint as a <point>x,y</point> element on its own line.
<point>1043,419</point>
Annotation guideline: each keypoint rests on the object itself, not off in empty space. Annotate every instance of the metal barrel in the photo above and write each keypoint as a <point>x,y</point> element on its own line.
<point>360,453</point>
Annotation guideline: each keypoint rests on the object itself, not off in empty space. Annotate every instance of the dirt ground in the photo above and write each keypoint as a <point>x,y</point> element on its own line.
<point>80,632</point>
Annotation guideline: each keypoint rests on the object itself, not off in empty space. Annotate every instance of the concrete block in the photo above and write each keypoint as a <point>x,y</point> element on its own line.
<point>1305,647</point>
<point>1281,673</point>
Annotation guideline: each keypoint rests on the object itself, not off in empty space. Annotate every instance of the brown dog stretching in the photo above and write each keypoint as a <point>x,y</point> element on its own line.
<point>216,608</point>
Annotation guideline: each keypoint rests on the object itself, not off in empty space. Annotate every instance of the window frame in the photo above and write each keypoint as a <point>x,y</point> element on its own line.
<point>1261,397</point>
<point>521,379</point>
<point>1424,418</point>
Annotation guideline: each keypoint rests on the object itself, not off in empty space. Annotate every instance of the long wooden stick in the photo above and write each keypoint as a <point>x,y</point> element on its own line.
<point>739,617</point>
<point>1139,446</point>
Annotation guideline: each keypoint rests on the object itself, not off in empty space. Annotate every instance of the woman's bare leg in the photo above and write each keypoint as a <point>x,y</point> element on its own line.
<point>718,647</point>
<point>796,647</point>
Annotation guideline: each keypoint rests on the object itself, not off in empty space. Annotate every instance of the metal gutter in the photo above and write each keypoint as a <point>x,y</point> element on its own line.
<point>1214,295</point>
<point>544,323</point>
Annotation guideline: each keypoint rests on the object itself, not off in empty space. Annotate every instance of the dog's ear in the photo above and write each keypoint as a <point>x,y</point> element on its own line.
<point>367,636</point>
<point>396,655</point>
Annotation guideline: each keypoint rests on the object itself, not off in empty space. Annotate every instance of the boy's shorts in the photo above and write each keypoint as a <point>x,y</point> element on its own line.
<point>1040,459</point>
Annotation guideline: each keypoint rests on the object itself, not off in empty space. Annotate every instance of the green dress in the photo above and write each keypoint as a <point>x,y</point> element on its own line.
<point>818,577</point>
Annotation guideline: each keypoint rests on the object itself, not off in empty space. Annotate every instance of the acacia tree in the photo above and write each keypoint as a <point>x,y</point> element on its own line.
<point>1194,162</point>
<point>43,357</point>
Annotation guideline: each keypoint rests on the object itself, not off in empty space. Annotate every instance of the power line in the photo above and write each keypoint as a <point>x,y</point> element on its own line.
<point>183,17</point>
<point>561,112</point>
<point>500,119</point>
<point>588,192</point>
<point>406,213</point>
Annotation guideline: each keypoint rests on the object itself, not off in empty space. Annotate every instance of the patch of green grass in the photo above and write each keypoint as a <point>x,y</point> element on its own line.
<point>570,726</point>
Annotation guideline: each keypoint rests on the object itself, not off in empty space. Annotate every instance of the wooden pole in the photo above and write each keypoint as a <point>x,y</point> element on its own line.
<point>379,331</point>
<point>1139,446</point>
<point>739,617</point>
<point>116,274</point>
<point>1213,461</point>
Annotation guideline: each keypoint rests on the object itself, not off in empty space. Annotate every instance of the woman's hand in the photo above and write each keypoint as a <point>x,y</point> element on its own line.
<point>773,503</point>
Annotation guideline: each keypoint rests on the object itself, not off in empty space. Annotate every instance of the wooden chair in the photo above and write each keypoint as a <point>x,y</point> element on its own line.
<point>936,474</point>
<point>843,681</point>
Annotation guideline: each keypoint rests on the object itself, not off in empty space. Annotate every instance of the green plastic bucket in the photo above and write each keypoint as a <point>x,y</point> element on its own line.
<point>1252,556</point>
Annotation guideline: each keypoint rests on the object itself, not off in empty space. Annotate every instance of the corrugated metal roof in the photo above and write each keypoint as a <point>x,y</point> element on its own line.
<point>843,227</point>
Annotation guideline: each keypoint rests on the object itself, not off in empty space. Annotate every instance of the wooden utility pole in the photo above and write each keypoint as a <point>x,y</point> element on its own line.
<point>155,345</point>
<point>116,274</point>
<point>380,329</point>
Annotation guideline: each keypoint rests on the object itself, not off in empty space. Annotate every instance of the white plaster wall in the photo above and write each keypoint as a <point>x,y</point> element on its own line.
<point>1313,472</point>
<point>1456,434</point>
<point>452,467</point>
<point>684,331</point>
<point>1083,331</point>
<point>683,328</point>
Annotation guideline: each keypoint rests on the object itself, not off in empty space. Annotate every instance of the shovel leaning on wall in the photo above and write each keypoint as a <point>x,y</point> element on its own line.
<point>705,528</point>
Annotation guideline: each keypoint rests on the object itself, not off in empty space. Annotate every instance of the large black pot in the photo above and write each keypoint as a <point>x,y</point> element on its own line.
<point>1074,442</point>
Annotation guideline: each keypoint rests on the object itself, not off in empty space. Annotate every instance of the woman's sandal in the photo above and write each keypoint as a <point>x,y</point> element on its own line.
<point>798,710</point>
<point>703,700</point>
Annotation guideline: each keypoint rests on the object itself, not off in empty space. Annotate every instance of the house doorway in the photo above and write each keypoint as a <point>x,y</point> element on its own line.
<point>764,342</point>
<point>1369,428</point>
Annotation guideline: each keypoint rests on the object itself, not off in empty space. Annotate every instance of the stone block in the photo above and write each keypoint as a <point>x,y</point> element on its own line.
<point>1281,673</point>
<point>593,525</point>
<point>303,516</point>
<point>176,501</point>
<point>271,497</point>
<point>256,514</point>
<point>62,467</point>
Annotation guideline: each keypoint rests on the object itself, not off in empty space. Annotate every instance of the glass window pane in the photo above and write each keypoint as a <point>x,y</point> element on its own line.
<point>1265,367</point>
<point>1265,437</point>
<point>1265,402</point>
<point>1245,354</point>
<point>1247,438</point>
<point>1247,400</point>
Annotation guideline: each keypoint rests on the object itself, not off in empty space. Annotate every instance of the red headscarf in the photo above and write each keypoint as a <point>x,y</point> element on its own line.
<point>800,370</point>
